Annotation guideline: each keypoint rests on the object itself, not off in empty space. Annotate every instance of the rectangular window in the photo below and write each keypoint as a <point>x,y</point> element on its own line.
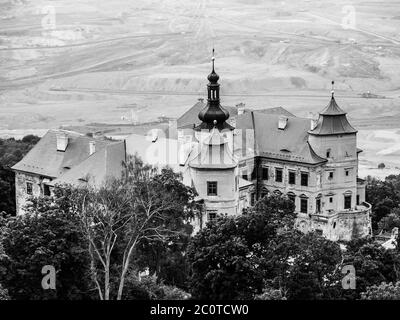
<point>292,177</point>
<point>244,174</point>
<point>29,188</point>
<point>265,173</point>
<point>358,199</point>
<point>347,173</point>
<point>303,205</point>
<point>318,205</point>
<point>304,179</point>
<point>46,190</point>
<point>278,175</point>
<point>330,199</point>
<point>211,188</point>
<point>211,215</point>
<point>347,202</point>
<point>330,175</point>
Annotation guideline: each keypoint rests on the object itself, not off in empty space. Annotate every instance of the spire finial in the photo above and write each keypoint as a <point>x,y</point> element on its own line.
<point>333,88</point>
<point>213,59</point>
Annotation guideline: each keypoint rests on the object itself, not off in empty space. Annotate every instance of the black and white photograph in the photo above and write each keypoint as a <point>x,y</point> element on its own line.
<point>199,157</point>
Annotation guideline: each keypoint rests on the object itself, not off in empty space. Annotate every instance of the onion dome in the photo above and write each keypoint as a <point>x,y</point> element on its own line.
<point>213,114</point>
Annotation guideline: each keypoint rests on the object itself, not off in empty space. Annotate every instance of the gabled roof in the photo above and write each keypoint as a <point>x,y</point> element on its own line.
<point>44,159</point>
<point>97,168</point>
<point>332,121</point>
<point>277,110</point>
<point>290,144</point>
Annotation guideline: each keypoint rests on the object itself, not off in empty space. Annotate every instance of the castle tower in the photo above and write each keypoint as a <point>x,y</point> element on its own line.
<point>335,139</point>
<point>213,114</point>
<point>212,166</point>
<point>342,194</point>
<point>214,173</point>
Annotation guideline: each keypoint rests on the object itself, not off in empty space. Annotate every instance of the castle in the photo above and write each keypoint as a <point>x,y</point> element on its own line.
<point>232,157</point>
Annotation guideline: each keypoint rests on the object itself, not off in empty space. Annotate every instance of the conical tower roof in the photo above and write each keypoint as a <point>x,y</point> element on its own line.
<point>332,121</point>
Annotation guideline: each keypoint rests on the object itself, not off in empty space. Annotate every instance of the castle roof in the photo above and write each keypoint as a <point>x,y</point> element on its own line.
<point>190,118</point>
<point>276,110</point>
<point>97,168</point>
<point>289,143</point>
<point>44,159</point>
<point>332,121</point>
<point>156,150</point>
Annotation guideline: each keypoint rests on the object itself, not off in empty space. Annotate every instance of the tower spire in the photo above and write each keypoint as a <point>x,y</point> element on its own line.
<point>213,59</point>
<point>333,89</point>
<point>213,115</point>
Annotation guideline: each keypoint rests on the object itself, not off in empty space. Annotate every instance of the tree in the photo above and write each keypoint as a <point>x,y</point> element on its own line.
<point>384,196</point>
<point>149,288</point>
<point>384,291</point>
<point>307,265</point>
<point>270,294</point>
<point>381,166</point>
<point>373,264</point>
<point>391,221</point>
<point>227,257</point>
<point>222,264</point>
<point>45,235</point>
<point>125,215</point>
<point>11,151</point>
<point>3,292</point>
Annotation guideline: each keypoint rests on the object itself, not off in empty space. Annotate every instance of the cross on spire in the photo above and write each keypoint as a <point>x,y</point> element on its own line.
<point>333,88</point>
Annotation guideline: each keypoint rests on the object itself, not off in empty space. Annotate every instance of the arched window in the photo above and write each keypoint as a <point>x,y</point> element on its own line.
<point>347,199</point>
<point>318,203</point>
<point>303,203</point>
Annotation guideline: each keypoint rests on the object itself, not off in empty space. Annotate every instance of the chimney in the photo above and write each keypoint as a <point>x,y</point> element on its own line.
<point>62,141</point>
<point>282,123</point>
<point>240,107</point>
<point>92,147</point>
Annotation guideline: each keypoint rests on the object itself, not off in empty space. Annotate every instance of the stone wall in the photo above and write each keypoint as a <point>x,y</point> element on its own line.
<point>21,196</point>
